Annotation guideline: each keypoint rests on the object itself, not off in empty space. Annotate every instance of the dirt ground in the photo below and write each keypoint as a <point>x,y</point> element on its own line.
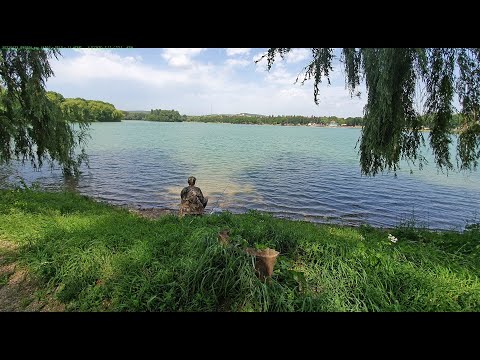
<point>18,290</point>
<point>153,213</point>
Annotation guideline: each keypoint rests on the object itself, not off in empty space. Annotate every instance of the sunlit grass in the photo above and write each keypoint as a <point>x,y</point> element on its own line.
<point>95,257</point>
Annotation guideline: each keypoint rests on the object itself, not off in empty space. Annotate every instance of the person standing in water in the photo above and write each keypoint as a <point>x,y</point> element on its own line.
<point>192,200</point>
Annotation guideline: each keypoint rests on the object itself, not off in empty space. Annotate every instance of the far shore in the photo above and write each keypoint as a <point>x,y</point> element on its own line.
<point>230,123</point>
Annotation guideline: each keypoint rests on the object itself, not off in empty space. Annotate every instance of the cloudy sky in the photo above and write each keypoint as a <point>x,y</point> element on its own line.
<point>200,81</point>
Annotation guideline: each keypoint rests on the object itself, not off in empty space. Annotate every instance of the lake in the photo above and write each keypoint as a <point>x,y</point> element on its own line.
<point>305,173</point>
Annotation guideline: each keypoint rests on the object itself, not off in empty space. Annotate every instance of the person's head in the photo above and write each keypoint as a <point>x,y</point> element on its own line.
<point>191,180</point>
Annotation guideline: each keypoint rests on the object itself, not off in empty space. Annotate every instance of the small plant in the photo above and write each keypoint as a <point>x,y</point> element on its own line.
<point>473,224</point>
<point>4,279</point>
<point>472,227</point>
<point>409,233</point>
<point>288,277</point>
<point>260,246</point>
<point>239,241</point>
<point>392,238</point>
<point>366,229</point>
<point>22,185</point>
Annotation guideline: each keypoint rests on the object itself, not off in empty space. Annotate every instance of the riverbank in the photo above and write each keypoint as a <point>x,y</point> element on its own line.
<point>83,255</point>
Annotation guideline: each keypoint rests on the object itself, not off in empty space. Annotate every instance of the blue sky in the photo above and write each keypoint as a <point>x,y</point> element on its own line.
<point>200,81</point>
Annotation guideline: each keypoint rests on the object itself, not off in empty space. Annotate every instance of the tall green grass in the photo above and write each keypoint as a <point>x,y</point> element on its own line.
<point>95,257</point>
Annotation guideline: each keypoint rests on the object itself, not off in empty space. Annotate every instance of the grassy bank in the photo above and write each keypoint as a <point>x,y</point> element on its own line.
<point>95,257</point>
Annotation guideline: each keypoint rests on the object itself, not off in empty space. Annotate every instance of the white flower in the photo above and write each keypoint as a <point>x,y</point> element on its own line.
<point>392,238</point>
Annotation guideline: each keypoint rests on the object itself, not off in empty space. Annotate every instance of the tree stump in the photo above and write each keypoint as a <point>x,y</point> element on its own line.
<point>264,261</point>
<point>224,236</point>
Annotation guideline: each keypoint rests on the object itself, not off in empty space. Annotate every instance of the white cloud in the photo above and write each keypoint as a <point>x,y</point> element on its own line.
<point>98,64</point>
<point>279,75</point>
<point>238,62</point>
<point>180,57</point>
<point>237,51</point>
<point>106,53</point>
<point>297,55</point>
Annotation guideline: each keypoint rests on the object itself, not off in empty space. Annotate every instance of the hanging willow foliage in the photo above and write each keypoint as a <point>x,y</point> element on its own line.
<point>32,127</point>
<point>392,125</point>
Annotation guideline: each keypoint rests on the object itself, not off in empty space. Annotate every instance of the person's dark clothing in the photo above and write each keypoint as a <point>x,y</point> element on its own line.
<point>193,202</point>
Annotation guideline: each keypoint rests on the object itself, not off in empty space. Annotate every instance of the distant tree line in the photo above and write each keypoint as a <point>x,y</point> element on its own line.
<point>278,120</point>
<point>427,121</point>
<point>155,115</point>
<point>81,110</point>
<point>165,116</point>
<point>135,115</point>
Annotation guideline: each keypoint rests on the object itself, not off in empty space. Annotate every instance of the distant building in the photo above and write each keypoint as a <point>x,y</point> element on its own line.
<point>332,124</point>
<point>250,115</point>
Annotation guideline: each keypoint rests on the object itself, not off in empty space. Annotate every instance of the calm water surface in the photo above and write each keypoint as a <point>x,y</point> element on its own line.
<point>296,172</point>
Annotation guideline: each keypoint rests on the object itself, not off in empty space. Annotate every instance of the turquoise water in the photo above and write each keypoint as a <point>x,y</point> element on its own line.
<point>303,173</point>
